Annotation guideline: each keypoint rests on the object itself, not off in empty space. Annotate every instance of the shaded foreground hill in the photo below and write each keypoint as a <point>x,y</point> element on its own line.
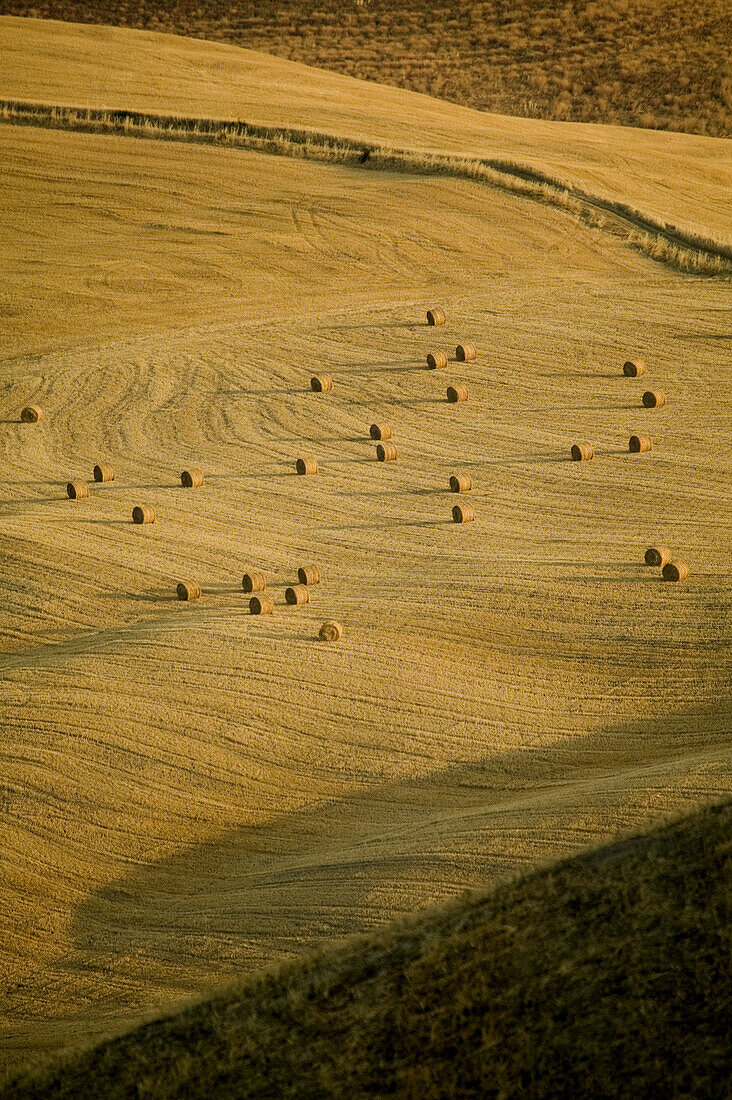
<point>607,974</point>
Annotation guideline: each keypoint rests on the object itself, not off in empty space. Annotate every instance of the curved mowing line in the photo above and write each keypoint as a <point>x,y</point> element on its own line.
<point>662,242</point>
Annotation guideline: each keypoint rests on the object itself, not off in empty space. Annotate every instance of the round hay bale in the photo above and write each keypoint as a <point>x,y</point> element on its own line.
<point>31,414</point>
<point>261,605</point>
<point>103,472</point>
<point>188,590</point>
<point>639,443</point>
<point>308,574</point>
<point>675,571</point>
<point>380,431</point>
<point>297,594</point>
<point>191,479</point>
<point>634,368</point>
<point>77,490</point>
<point>254,582</point>
<point>436,317</point>
<point>654,399</point>
<point>143,513</point>
<point>436,360</point>
<point>321,383</point>
<point>657,555</point>
<point>386,452</point>
<point>464,353</point>
<point>460,483</point>
<point>582,452</point>
<point>457,393</point>
<point>307,465</point>
<point>330,631</point>
<point>463,513</point>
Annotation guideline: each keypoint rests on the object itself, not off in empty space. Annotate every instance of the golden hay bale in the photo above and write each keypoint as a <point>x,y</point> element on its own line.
<point>77,490</point>
<point>634,368</point>
<point>31,414</point>
<point>191,479</point>
<point>457,393</point>
<point>465,352</point>
<point>188,590</point>
<point>331,631</point>
<point>321,383</point>
<point>436,360</point>
<point>307,465</point>
<point>297,594</point>
<point>308,574</point>
<point>380,431</point>
<point>386,452</point>
<point>675,571</point>
<point>657,555</point>
<point>581,452</point>
<point>654,399</point>
<point>436,317</point>
<point>639,443</point>
<point>261,605</point>
<point>460,483</point>
<point>254,582</point>
<point>463,513</point>
<point>103,472</point>
<point>144,513</point>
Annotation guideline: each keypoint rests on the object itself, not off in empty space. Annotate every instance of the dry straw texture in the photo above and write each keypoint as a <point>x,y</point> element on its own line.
<point>143,513</point>
<point>261,605</point>
<point>582,452</point>
<point>191,479</point>
<point>297,594</point>
<point>633,368</point>
<point>436,317</point>
<point>330,631</point>
<point>639,443</point>
<point>460,483</point>
<point>254,582</point>
<point>188,590</point>
<point>654,399</point>
<point>657,555</point>
<point>675,570</point>
<point>321,383</point>
<point>103,472</point>
<point>307,466</point>
<point>464,353</point>
<point>31,414</point>
<point>380,431</point>
<point>463,513</point>
<point>436,360</point>
<point>457,393</point>
<point>308,574</point>
<point>386,452</point>
<point>77,490</point>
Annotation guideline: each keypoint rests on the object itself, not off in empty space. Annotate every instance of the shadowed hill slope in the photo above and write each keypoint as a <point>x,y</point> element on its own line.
<point>603,975</point>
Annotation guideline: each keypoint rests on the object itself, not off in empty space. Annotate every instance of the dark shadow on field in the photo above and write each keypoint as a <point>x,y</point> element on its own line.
<point>274,889</point>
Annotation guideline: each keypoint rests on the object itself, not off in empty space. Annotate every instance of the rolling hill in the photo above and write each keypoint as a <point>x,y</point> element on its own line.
<point>606,975</point>
<point>190,792</point>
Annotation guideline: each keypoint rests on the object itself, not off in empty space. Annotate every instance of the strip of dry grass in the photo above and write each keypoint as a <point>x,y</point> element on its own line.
<point>659,64</point>
<point>678,248</point>
<point>604,975</point>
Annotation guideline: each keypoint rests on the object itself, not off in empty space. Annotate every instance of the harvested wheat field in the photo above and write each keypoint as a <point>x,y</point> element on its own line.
<point>191,791</point>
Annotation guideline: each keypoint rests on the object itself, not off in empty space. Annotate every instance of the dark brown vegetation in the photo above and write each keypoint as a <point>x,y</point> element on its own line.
<point>660,64</point>
<point>604,975</point>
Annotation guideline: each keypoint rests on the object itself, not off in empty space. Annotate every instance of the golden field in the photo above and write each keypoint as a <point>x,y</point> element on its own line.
<point>190,792</point>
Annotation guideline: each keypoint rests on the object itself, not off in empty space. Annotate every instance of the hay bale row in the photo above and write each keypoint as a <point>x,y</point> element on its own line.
<point>672,569</point>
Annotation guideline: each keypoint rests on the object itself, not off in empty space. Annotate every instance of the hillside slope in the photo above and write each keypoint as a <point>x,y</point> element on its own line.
<point>680,178</point>
<point>190,792</point>
<point>607,975</point>
<point>659,64</point>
